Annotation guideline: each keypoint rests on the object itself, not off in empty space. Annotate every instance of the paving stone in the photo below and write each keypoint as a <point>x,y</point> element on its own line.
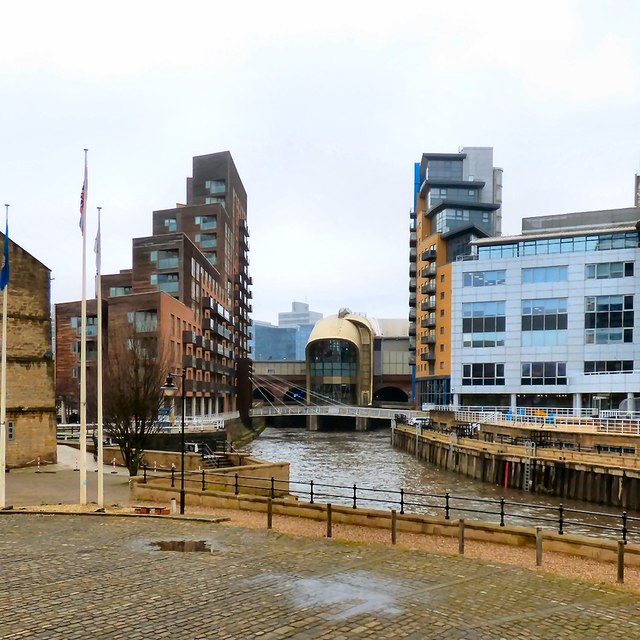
<point>101,577</point>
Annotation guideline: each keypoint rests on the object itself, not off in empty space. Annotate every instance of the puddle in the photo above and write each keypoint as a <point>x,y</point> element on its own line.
<point>184,546</point>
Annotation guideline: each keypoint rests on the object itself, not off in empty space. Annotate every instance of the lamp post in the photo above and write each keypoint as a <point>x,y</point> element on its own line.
<point>170,386</point>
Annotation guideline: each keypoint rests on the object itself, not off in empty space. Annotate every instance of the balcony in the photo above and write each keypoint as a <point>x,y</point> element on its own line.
<point>189,337</point>
<point>428,271</point>
<point>428,255</point>
<point>428,339</point>
<point>413,254</point>
<point>413,239</point>
<point>412,299</point>
<point>188,362</point>
<point>428,322</point>
<point>428,305</point>
<point>429,287</point>
<point>412,344</point>
<point>412,359</point>
<point>413,215</point>
<point>412,315</point>
<point>412,269</point>
<point>412,284</point>
<point>412,328</point>
<point>428,356</point>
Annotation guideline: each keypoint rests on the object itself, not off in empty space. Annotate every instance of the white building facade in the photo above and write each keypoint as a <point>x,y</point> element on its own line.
<point>549,318</point>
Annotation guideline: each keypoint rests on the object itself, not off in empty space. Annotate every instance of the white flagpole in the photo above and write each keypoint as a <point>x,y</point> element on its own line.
<point>99,372</point>
<point>83,345</point>
<point>3,393</point>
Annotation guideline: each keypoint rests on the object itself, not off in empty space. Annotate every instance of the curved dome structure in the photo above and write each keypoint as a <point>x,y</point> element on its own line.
<point>340,359</point>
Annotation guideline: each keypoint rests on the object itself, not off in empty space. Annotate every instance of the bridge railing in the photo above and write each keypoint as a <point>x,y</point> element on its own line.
<point>333,410</point>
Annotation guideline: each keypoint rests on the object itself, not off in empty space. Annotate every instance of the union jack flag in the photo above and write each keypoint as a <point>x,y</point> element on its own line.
<point>83,197</point>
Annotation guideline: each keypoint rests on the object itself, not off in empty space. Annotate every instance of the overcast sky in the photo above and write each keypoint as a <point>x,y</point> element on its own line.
<point>325,107</point>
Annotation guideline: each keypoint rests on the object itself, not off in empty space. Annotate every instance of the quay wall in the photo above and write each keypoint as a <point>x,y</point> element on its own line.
<point>602,482</point>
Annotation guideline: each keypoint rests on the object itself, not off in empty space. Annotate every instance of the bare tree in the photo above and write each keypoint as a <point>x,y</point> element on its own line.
<point>134,375</point>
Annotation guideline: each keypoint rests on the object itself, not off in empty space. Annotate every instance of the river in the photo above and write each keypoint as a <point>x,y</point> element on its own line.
<point>367,459</point>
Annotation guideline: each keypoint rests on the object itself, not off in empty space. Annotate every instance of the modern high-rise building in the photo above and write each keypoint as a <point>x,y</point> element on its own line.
<point>547,318</point>
<point>188,288</point>
<point>299,314</point>
<point>457,200</point>
<point>287,340</point>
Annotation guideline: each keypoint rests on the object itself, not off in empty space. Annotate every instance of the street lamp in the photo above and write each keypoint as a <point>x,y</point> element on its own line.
<point>170,386</point>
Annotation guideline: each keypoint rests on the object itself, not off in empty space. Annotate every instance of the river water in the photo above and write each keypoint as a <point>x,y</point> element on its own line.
<point>367,459</point>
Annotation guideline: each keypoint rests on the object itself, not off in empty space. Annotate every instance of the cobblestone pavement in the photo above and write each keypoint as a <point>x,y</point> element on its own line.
<point>92,576</point>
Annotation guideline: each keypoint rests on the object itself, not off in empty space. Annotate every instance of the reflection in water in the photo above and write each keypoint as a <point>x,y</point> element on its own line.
<point>368,460</point>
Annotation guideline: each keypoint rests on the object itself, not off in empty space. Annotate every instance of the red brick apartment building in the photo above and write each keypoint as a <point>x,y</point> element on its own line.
<point>188,288</point>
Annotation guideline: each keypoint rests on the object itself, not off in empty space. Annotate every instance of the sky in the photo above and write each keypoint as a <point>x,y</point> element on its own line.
<point>325,108</point>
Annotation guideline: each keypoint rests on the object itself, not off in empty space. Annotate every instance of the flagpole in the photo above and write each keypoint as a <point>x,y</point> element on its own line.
<point>99,372</point>
<point>3,378</point>
<point>83,343</point>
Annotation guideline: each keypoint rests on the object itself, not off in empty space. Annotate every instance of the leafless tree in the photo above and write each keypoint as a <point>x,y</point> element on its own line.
<point>134,374</point>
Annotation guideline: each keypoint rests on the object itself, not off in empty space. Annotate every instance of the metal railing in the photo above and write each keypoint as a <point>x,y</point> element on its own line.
<point>500,511</point>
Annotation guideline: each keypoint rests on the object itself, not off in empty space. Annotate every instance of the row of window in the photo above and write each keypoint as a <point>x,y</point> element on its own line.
<point>537,373</point>
<point>540,275</point>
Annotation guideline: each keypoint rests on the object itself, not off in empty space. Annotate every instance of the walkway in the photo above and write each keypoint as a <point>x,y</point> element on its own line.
<point>75,577</point>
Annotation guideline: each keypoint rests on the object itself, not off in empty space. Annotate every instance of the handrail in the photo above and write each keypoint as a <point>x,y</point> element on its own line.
<point>498,510</point>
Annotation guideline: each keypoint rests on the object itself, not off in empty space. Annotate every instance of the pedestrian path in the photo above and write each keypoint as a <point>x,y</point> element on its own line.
<point>105,577</point>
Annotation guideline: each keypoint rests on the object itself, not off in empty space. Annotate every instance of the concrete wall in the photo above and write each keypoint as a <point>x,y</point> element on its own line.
<point>500,464</point>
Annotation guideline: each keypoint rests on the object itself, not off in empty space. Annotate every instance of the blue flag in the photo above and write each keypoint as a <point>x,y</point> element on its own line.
<point>4,274</point>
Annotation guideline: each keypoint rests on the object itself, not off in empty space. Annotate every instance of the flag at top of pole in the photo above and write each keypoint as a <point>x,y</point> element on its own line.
<point>4,273</point>
<point>83,196</point>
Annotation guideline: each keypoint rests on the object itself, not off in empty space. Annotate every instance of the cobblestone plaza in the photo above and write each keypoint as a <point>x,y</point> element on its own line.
<point>89,576</point>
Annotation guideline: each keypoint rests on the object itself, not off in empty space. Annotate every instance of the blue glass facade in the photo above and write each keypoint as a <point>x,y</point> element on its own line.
<point>271,342</point>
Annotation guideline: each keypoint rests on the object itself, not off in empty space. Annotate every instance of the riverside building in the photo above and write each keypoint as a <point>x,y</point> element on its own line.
<point>547,318</point>
<point>188,288</point>
<point>543,319</point>
<point>457,199</point>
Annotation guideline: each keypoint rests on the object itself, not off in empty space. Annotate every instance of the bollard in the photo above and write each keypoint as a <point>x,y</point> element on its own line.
<point>173,475</point>
<point>394,526</point>
<point>461,536</point>
<point>329,524</point>
<point>269,513</point>
<point>538,546</point>
<point>155,466</point>
<point>113,462</point>
<point>38,466</point>
<point>174,507</point>
<point>621,561</point>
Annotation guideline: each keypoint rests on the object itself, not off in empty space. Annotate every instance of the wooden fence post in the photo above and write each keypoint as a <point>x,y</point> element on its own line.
<point>538,546</point>
<point>329,528</point>
<point>461,536</point>
<point>394,526</point>
<point>269,513</point>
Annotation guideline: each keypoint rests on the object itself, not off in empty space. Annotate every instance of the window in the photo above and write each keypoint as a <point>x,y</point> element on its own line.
<point>211,256</point>
<point>208,222</point>
<point>606,270</point>
<point>11,430</point>
<point>167,259</point>
<point>603,242</point>
<point>536,275</point>
<point>544,373</point>
<point>207,240</point>
<point>487,373</point>
<point>146,321</point>
<point>484,278</point>
<point>544,322</point>
<point>483,324</point>
<point>171,224</point>
<point>92,326</point>
<point>608,366</point>
<point>215,186</point>
<point>115,292</point>
<point>608,319</point>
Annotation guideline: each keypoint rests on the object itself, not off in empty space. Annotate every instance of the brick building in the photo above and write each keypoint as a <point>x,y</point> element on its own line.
<point>188,288</point>
<point>31,422</point>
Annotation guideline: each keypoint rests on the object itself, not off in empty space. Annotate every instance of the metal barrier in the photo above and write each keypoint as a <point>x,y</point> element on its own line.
<point>562,518</point>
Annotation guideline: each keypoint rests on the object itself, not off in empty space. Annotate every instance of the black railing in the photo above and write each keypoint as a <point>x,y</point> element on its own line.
<point>500,511</point>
